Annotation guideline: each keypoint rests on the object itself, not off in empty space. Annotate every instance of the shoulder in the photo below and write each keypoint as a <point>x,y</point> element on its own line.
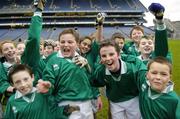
<point>11,99</point>
<point>130,58</point>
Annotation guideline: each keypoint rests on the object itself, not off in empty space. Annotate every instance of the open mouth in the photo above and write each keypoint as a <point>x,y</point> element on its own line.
<point>109,63</point>
<point>147,49</point>
<point>65,51</point>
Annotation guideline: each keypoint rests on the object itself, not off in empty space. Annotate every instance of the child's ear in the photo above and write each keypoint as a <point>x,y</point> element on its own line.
<point>147,75</point>
<point>33,77</point>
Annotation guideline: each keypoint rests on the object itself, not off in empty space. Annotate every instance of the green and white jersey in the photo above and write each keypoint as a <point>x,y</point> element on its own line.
<point>91,57</point>
<point>120,87</point>
<point>131,49</point>
<point>4,83</point>
<point>69,81</point>
<point>31,106</point>
<point>31,55</point>
<point>154,105</point>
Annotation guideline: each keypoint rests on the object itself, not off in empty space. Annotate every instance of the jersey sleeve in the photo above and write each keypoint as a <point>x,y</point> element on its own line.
<point>31,55</point>
<point>9,113</point>
<point>98,77</point>
<point>178,109</point>
<point>4,83</point>
<point>161,43</point>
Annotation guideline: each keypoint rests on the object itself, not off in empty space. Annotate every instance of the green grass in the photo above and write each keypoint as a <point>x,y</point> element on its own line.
<point>174,47</point>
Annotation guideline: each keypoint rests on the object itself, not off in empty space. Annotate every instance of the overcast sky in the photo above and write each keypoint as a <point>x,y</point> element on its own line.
<point>172,9</point>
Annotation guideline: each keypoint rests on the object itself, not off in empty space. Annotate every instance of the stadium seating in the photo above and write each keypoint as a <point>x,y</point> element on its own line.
<point>80,14</point>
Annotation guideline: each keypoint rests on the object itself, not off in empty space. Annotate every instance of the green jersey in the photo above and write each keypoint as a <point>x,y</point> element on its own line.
<point>31,56</point>
<point>161,47</point>
<point>120,86</point>
<point>69,81</point>
<point>131,49</point>
<point>154,105</point>
<point>91,57</point>
<point>32,106</point>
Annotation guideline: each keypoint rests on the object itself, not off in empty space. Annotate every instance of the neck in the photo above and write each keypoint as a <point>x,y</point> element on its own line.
<point>145,56</point>
<point>12,61</point>
<point>118,68</point>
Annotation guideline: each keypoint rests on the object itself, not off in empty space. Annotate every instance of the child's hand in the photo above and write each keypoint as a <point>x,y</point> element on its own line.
<point>10,89</point>
<point>99,103</point>
<point>79,60</point>
<point>43,86</point>
<point>100,18</point>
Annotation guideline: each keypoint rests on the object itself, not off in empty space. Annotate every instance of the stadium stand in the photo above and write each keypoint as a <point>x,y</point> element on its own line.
<point>80,14</point>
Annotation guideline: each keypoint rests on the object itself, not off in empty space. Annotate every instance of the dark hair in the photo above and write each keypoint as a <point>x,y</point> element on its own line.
<point>85,37</point>
<point>49,43</point>
<point>109,42</point>
<point>139,28</point>
<point>161,60</point>
<point>70,31</point>
<point>117,35</point>
<point>17,68</point>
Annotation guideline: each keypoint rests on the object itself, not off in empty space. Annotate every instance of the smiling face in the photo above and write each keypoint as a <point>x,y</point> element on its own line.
<point>23,82</point>
<point>68,45</point>
<point>48,50</point>
<point>120,42</point>
<point>85,45</point>
<point>8,51</point>
<point>56,48</point>
<point>110,58</point>
<point>158,76</point>
<point>146,46</point>
<point>20,48</point>
<point>136,35</point>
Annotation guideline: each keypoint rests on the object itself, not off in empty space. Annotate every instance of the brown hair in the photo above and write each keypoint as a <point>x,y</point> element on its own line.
<point>86,37</point>
<point>17,68</point>
<point>139,28</point>
<point>70,31</point>
<point>109,42</point>
<point>161,60</point>
<point>117,35</point>
<point>5,41</point>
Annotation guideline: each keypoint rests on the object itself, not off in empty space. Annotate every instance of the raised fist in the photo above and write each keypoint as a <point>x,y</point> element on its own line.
<point>100,18</point>
<point>39,4</point>
<point>157,9</point>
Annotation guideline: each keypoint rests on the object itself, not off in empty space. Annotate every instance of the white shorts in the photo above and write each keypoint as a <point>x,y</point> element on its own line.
<point>94,105</point>
<point>126,109</point>
<point>85,109</point>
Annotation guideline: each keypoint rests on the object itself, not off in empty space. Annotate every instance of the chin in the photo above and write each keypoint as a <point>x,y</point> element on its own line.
<point>66,55</point>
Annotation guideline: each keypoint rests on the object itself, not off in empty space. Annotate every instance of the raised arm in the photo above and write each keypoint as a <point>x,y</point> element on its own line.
<point>99,21</point>
<point>161,43</point>
<point>31,55</point>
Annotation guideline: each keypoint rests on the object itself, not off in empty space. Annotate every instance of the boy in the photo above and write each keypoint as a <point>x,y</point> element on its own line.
<point>119,39</point>
<point>157,98</point>
<point>132,47</point>
<point>30,56</point>
<point>48,47</point>
<point>146,49</point>
<point>117,75</point>
<point>27,103</point>
<point>70,82</point>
